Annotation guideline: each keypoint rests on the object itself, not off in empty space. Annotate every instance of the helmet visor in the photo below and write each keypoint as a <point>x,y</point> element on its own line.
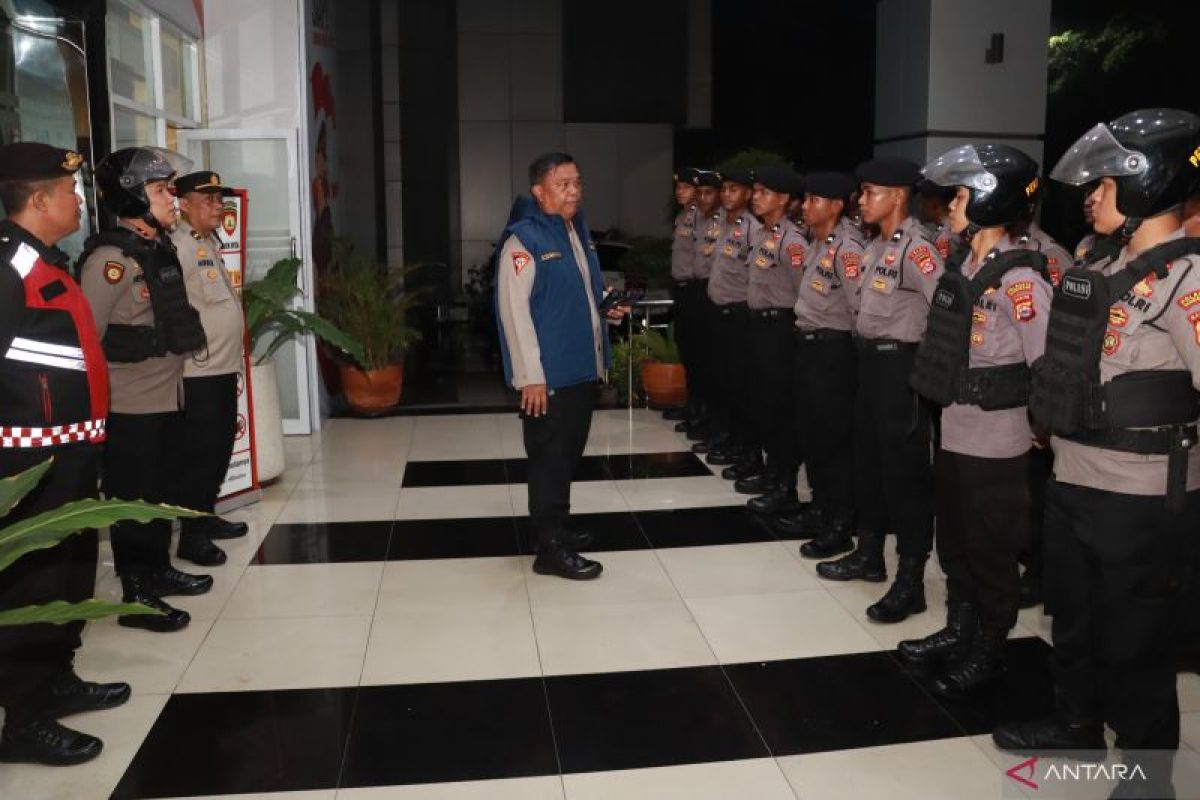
<point>1097,154</point>
<point>960,167</point>
<point>153,164</point>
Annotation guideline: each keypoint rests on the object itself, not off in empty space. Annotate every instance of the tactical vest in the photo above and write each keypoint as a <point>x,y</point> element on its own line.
<point>942,369</point>
<point>177,328</point>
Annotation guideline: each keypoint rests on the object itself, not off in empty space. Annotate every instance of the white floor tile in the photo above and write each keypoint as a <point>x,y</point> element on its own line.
<point>757,568</point>
<point>438,502</point>
<point>340,503</point>
<point>151,663</point>
<point>345,472</point>
<point>760,779</point>
<point>615,637</point>
<point>451,437</point>
<point>305,590</point>
<point>629,577</point>
<point>457,581</point>
<point>280,653</point>
<point>545,788</point>
<point>322,794</point>
<point>587,497</point>
<point>667,493</point>
<point>1188,686</point>
<point>1036,622</point>
<point>856,596</point>
<point>764,627</point>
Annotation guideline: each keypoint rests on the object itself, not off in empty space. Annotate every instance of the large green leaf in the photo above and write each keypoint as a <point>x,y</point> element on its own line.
<point>51,527</point>
<point>60,611</point>
<point>14,487</point>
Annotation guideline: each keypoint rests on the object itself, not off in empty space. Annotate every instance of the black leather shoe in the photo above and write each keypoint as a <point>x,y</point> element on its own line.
<point>700,448</point>
<point>698,432</point>
<point>1084,740</point>
<point>219,528</point>
<point>864,564</point>
<point>982,666</point>
<point>721,458</point>
<point>566,564</point>
<point>743,469</point>
<point>810,521</point>
<point>1031,588</point>
<point>833,540</point>
<point>781,500</point>
<point>44,741</point>
<point>71,695</point>
<point>200,550</point>
<point>168,619</point>
<point>906,596</point>
<point>950,643</point>
<point>761,483</point>
<point>170,581</point>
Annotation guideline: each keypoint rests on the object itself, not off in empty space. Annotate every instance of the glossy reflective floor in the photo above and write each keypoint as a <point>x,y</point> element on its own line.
<point>380,634</point>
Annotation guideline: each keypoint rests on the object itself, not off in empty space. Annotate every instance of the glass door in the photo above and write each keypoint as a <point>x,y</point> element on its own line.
<point>265,164</point>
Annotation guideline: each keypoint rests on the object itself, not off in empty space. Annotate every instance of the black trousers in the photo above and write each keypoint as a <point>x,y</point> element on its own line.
<point>891,451</point>
<point>826,382</point>
<point>687,316</point>
<point>32,655</point>
<point>1111,570</point>
<point>704,330</point>
<point>771,353</point>
<point>140,464</point>
<point>731,373</point>
<point>208,425</point>
<point>983,514</point>
<point>554,444</point>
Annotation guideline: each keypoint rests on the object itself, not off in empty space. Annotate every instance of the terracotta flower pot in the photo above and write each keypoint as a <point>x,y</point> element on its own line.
<point>375,391</point>
<point>665,384</point>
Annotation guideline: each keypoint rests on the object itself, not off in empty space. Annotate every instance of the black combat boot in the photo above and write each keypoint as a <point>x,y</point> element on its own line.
<point>558,559</point>
<point>761,483</point>
<point>983,665</point>
<point>864,564</point>
<point>835,538</point>
<point>951,643</point>
<point>906,595</point>
<point>782,499</point>
<point>747,467</point>
<point>809,521</point>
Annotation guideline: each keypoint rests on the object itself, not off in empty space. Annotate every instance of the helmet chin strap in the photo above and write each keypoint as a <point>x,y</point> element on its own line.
<point>1127,229</point>
<point>969,232</point>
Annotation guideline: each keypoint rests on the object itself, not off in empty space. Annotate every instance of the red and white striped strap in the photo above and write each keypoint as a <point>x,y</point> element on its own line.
<point>90,431</point>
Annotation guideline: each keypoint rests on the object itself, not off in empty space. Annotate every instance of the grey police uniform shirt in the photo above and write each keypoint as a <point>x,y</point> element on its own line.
<point>210,291</point>
<point>516,272</point>
<point>943,236</point>
<point>708,237</point>
<point>830,276</point>
<point>900,273</point>
<point>116,290</point>
<point>1008,326</point>
<point>1155,326</point>
<point>777,256</point>
<point>683,244</point>
<point>730,277</point>
<point>1084,247</point>
<point>1057,257</point>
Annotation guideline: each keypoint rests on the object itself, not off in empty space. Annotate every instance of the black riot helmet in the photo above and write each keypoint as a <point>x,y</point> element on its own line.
<point>1152,155</point>
<point>1002,181</point>
<point>121,178</point>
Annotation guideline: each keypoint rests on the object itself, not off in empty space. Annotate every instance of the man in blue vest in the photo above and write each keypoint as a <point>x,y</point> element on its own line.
<point>555,349</point>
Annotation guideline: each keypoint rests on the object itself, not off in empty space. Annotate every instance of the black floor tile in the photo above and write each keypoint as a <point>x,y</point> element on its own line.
<point>591,468</point>
<point>241,742</point>
<point>611,531</point>
<point>430,733</point>
<point>472,472</point>
<point>838,702</point>
<point>453,538</point>
<point>627,720</point>
<point>694,527</point>
<point>324,542</point>
<point>1025,693</point>
<point>656,465</point>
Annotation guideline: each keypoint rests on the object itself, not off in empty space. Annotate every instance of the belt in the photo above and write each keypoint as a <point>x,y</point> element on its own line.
<point>883,345</point>
<point>16,436</point>
<point>733,308</point>
<point>683,284</point>
<point>772,313</point>
<point>821,335</point>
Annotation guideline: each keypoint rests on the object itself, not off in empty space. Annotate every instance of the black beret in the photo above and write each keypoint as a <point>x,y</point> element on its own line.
<point>687,175</point>
<point>779,178</point>
<point>34,161</point>
<point>834,185</point>
<point>202,181</point>
<point>930,189</point>
<point>708,177</point>
<point>889,171</point>
<point>740,175</point>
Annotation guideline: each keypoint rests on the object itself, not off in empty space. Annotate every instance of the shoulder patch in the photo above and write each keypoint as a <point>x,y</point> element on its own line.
<point>1194,321</point>
<point>1019,287</point>
<point>520,260</point>
<point>796,254</point>
<point>851,264</point>
<point>1112,343</point>
<point>114,271</point>
<point>1190,299</point>
<point>922,256</point>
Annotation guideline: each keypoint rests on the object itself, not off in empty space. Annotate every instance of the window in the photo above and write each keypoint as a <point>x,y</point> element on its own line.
<point>153,76</point>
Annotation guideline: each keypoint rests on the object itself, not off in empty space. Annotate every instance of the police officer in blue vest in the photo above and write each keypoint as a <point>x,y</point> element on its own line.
<point>555,349</point>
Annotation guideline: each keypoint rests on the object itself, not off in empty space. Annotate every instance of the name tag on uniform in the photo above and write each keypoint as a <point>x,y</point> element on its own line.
<point>879,284</point>
<point>549,255</point>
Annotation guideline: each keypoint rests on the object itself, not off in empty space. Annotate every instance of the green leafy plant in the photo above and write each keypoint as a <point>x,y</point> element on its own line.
<point>272,320</point>
<point>648,261</point>
<point>49,528</point>
<point>626,367</point>
<point>368,301</point>
<point>753,158</point>
<point>656,347</point>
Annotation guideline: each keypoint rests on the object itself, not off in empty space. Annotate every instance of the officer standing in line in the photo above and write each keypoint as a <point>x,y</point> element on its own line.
<point>777,258</point>
<point>1123,507</point>
<point>933,209</point>
<point>132,278</point>
<point>825,371</point>
<point>987,325</point>
<point>727,287</point>
<point>210,376</point>
<point>683,256</point>
<point>1089,239</point>
<point>703,312</point>
<point>892,427</point>
<point>53,404</point>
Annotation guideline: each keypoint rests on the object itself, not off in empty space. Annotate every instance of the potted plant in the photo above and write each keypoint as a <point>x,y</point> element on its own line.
<point>272,320</point>
<point>662,372</point>
<point>369,302</point>
<point>647,262</point>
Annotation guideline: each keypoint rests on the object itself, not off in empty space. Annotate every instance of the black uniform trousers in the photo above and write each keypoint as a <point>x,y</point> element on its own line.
<point>1111,565</point>
<point>140,464</point>
<point>704,327</point>
<point>32,655</point>
<point>891,448</point>
<point>983,518</point>
<point>208,425</point>
<point>554,444</point>
<point>826,381</point>
<point>731,372</point>
<point>771,353</point>
<point>686,315</point>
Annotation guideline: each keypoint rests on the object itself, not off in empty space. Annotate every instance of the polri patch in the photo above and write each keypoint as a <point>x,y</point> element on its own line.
<point>923,258</point>
<point>114,271</point>
<point>1112,343</point>
<point>520,260</point>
